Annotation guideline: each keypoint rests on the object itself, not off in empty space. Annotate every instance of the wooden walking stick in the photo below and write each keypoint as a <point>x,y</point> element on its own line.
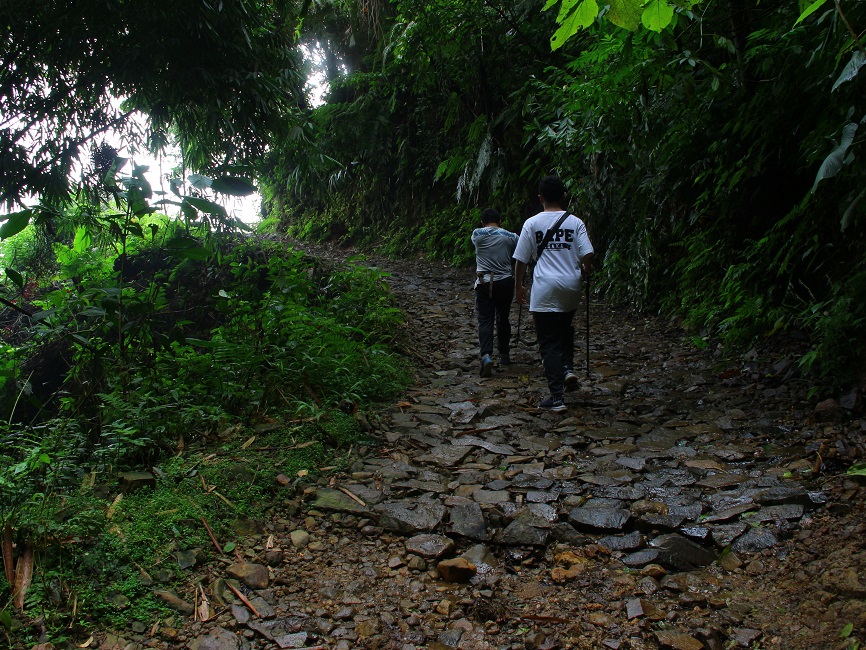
<point>587,326</point>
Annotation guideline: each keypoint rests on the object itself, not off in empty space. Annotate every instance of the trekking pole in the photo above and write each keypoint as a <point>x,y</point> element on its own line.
<point>587,326</point>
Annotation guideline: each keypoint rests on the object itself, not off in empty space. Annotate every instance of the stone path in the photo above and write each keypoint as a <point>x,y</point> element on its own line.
<point>636,519</point>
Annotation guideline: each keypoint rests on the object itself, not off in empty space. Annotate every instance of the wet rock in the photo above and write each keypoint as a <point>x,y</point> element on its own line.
<point>299,538</point>
<point>252,575</point>
<point>722,481</point>
<point>783,495</point>
<point>754,540</point>
<point>641,558</point>
<point>628,542</point>
<point>482,558</point>
<point>328,499</point>
<point>411,517</point>
<point>681,554</point>
<point>599,519</point>
<point>445,455</point>
<point>678,640</point>
<point>728,514</point>
<point>429,546</point>
<point>526,530</point>
<point>174,601</point>
<point>219,639</point>
<point>466,518</point>
<point>777,513</point>
<point>456,570</point>
<point>745,637</point>
<point>727,533</point>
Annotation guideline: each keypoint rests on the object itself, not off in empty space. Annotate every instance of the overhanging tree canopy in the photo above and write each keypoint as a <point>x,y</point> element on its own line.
<point>223,76</point>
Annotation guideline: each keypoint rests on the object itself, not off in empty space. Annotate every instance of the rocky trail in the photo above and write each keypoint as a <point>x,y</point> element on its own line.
<point>680,502</point>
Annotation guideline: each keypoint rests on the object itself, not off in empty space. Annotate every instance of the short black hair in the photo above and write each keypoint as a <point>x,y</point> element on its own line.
<point>490,215</point>
<point>552,189</point>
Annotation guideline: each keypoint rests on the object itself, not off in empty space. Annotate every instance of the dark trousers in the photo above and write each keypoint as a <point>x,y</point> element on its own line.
<point>494,308</point>
<point>556,341</point>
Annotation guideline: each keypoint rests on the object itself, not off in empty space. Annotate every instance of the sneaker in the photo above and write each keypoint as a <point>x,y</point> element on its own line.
<point>486,366</point>
<point>553,404</point>
<point>505,359</point>
<point>570,380</point>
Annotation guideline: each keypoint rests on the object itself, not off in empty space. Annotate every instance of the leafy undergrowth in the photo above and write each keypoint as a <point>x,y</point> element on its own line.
<point>102,548</point>
<point>158,404</point>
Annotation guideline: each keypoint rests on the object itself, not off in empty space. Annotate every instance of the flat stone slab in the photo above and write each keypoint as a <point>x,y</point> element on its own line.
<point>412,517</point>
<point>599,518</point>
<point>722,481</point>
<point>328,499</point>
<point>429,546</point>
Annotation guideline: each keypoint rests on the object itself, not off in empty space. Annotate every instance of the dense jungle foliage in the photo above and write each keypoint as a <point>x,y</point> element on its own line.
<point>715,161</point>
<point>712,149</point>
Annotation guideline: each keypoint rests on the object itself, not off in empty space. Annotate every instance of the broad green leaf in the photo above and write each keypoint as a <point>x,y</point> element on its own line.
<point>208,207</point>
<point>625,14</point>
<point>15,223</point>
<point>229,547</point>
<point>582,17</point>
<point>858,60</point>
<point>82,240</point>
<point>181,242</point>
<point>175,185</point>
<point>857,470</point>
<point>846,631</point>
<point>834,162</point>
<point>199,182</point>
<point>549,4</point>
<point>233,186</point>
<point>657,15</point>
<point>565,9</point>
<point>812,8</point>
<point>16,278</point>
<point>187,247</point>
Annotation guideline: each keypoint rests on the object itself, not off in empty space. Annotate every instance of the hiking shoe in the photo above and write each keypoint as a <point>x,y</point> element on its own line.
<point>486,366</point>
<point>505,359</point>
<point>570,380</point>
<point>553,404</point>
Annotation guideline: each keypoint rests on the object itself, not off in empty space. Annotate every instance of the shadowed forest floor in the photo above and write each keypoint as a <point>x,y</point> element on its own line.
<point>682,501</point>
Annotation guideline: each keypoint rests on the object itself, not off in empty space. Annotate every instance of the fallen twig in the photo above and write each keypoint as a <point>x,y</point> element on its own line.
<point>212,536</point>
<point>244,600</point>
<point>351,496</point>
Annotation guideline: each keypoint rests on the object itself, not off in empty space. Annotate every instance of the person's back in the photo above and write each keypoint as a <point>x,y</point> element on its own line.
<point>494,287</point>
<point>494,247</point>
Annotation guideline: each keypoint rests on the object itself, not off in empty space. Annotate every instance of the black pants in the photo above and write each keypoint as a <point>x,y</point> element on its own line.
<point>555,333</point>
<point>495,308</point>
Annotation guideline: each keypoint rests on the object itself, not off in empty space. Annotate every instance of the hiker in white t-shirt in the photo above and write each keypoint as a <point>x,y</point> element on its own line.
<point>561,263</point>
<point>494,287</point>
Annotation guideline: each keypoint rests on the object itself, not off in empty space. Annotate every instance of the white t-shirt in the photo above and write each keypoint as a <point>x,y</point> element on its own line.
<point>556,281</point>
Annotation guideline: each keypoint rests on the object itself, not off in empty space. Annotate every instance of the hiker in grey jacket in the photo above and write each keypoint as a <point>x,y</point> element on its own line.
<point>494,287</point>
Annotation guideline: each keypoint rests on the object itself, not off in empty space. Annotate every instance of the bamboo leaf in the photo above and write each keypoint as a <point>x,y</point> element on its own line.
<point>836,159</point>
<point>812,8</point>
<point>208,207</point>
<point>858,60</point>
<point>233,186</point>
